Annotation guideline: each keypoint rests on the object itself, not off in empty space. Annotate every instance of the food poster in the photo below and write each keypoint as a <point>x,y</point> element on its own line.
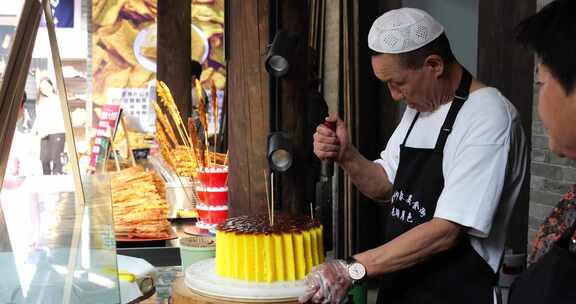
<point>124,59</point>
<point>124,54</point>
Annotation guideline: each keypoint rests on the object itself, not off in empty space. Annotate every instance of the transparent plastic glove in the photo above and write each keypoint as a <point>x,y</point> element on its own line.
<point>327,283</point>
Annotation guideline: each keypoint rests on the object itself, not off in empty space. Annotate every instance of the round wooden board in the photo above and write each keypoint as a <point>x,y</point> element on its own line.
<point>183,295</point>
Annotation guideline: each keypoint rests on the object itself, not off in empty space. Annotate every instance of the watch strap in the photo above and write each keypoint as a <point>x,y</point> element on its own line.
<point>351,260</point>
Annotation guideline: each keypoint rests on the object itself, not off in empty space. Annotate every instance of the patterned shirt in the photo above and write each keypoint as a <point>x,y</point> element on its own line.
<point>561,218</point>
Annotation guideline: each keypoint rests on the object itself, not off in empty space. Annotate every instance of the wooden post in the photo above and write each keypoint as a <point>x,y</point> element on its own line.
<point>173,66</point>
<point>249,102</point>
<point>248,109</point>
<point>11,90</point>
<point>294,90</point>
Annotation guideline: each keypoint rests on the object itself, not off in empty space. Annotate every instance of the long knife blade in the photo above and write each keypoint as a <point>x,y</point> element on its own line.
<point>324,196</point>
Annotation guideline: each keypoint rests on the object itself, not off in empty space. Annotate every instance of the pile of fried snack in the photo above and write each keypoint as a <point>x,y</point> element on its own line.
<point>171,131</point>
<point>139,207</point>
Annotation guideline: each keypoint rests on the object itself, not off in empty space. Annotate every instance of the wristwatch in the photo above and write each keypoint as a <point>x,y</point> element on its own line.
<point>356,270</point>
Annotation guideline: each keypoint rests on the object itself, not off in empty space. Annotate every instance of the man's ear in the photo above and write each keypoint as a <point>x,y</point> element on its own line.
<point>435,64</point>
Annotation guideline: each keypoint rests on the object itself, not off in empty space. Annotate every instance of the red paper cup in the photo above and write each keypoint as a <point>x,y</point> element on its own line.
<point>211,214</point>
<point>215,176</point>
<point>213,196</point>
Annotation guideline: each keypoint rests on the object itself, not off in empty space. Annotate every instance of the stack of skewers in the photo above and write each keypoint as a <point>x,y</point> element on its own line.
<point>193,158</point>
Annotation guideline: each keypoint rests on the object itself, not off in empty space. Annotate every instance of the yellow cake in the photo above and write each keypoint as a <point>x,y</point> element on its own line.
<point>249,249</point>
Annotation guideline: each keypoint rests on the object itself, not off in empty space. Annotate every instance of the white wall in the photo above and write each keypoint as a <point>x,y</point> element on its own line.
<point>460,20</point>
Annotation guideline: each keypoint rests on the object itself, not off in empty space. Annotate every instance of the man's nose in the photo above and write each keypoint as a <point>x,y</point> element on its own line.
<point>395,93</point>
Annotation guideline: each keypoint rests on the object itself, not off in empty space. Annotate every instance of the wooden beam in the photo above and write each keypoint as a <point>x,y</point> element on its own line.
<point>294,91</point>
<point>248,115</point>
<point>173,66</point>
<point>249,104</point>
<point>12,86</point>
<point>506,66</point>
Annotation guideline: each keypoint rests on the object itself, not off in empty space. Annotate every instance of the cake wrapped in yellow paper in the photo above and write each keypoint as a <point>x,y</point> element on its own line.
<point>248,248</point>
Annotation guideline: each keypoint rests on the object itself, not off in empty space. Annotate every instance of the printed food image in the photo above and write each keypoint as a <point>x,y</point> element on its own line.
<point>116,25</point>
<point>124,44</point>
<point>148,47</point>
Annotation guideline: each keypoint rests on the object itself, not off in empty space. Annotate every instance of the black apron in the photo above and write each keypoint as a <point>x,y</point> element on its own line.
<point>458,275</point>
<point>552,279</point>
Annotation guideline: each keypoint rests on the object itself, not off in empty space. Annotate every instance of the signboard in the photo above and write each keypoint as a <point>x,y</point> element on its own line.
<point>63,13</point>
<point>106,125</point>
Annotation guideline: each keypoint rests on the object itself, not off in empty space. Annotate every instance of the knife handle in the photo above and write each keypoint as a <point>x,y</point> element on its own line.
<point>327,169</point>
<point>330,125</point>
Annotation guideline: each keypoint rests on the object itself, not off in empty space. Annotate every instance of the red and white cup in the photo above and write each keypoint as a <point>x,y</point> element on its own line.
<point>213,196</point>
<point>212,214</point>
<point>213,176</point>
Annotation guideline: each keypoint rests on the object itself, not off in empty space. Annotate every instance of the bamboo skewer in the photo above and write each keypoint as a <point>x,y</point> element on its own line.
<point>267,198</point>
<point>215,110</point>
<point>168,101</point>
<point>128,145</point>
<point>160,117</point>
<point>194,138</point>
<point>163,141</point>
<point>116,155</point>
<point>110,147</point>
<point>311,211</point>
<point>206,144</point>
<point>273,189</point>
<point>202,116</point>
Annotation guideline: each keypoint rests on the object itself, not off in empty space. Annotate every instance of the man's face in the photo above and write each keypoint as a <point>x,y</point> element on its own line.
<point>419,88</point>
<point>557,111</point>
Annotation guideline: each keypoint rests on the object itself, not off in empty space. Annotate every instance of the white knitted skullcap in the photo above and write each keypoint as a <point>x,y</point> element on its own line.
<point>403,30</point>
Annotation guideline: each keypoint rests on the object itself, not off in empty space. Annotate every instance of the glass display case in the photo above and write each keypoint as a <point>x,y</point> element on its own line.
<point>57,241</point>
<point>43,219</point>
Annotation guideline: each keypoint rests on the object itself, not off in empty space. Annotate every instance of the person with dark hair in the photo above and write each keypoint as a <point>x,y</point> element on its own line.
<point>451,172</point>
<point>551,33</point>
<point>195,73</point>
<point>195,70</point>
<point>49,126</point>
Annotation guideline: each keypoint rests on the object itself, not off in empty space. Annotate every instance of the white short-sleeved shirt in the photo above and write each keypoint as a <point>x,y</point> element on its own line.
<point>485,162</point>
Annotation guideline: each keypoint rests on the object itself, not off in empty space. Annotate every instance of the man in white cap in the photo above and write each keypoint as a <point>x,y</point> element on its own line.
<point>452,171</point>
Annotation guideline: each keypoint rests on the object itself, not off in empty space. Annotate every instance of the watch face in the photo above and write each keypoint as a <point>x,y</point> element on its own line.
<point>356,271</point>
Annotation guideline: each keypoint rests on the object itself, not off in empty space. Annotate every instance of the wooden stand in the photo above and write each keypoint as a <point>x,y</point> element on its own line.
<point>183,295</point>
